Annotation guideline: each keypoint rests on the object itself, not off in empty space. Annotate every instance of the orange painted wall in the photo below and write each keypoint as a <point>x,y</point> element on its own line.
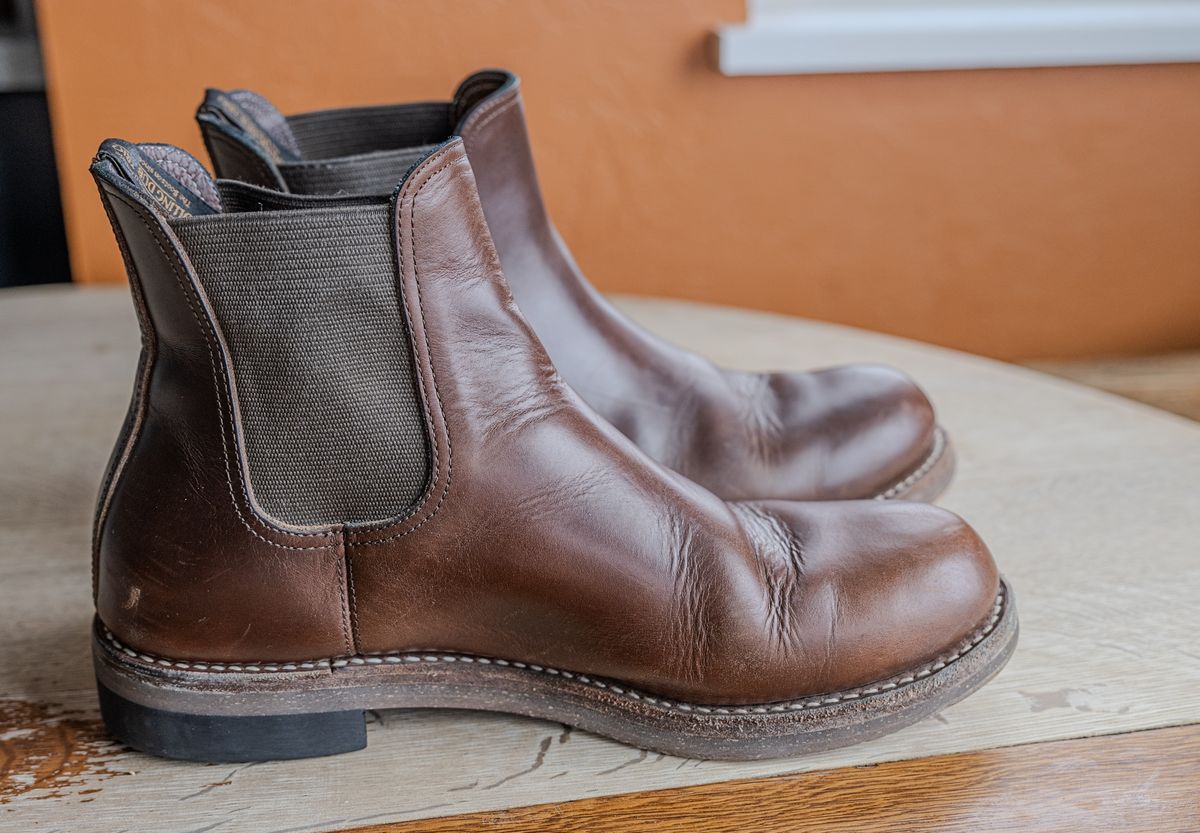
<point>1024,213</point>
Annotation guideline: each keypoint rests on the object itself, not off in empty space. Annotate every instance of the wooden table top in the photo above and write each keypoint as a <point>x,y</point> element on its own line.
<point>1090,503</point>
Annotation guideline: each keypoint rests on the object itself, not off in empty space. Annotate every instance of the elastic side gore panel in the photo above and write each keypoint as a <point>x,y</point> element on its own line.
<point>368,173</point>
<point>327,134</point>
<point>308,303</point>
<point>238,197</point>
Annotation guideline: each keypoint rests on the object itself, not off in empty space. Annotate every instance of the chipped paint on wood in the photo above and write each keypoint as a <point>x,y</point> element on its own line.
<point>47,752</point>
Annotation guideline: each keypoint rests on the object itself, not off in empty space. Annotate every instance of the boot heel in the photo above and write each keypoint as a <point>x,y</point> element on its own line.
<point>222,738</point>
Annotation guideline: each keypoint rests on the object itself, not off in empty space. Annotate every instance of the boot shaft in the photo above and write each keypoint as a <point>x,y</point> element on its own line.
<point>276,405</point>
<point>355,150</point>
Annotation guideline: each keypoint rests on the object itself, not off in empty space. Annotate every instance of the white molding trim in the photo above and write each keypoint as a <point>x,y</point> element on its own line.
<point>784,37</point>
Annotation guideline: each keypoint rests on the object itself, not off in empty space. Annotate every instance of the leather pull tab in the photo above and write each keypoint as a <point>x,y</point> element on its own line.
<point>257,120</point>
<point>155,179</point>
<point>476,88</point>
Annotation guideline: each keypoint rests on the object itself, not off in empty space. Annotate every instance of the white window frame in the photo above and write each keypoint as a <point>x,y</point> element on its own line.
<point>783,37</point>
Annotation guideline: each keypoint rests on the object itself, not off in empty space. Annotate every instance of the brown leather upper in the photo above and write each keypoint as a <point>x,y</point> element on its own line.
<point>545,535</point>
<point>846,432</point>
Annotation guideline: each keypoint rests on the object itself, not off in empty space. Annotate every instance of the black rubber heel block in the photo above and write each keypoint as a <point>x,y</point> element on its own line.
<point>224,739</point>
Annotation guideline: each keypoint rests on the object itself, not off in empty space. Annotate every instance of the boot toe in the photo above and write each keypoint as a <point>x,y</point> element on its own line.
<point>852,431</point>
<point>885,589</point>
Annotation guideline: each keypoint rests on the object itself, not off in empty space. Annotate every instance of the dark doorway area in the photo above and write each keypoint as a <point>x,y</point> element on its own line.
<point>33,246</point>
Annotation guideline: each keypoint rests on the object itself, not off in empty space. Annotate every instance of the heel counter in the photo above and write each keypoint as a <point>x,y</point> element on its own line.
<point>137,403</point>
<point>183,566</point>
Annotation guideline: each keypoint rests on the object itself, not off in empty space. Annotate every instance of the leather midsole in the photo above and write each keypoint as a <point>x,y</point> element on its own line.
<point>931,476</point>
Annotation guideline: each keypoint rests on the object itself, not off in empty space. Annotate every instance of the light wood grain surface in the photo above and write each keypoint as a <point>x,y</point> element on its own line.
<point>1088,501</point>
<point>1144,782</point>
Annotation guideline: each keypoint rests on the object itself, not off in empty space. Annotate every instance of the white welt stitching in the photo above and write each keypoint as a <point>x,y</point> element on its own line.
<point>939,446</point>
<point>396,658</point>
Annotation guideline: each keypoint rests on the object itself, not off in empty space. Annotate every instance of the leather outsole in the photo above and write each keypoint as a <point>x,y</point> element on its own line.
<point>264,711</point>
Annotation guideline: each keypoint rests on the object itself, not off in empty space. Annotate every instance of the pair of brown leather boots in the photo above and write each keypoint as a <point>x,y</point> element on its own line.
<point>388,448</point>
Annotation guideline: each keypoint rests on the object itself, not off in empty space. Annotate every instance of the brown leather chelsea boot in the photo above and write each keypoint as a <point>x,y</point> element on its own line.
<point>351,478</point>
<point>849,432</point>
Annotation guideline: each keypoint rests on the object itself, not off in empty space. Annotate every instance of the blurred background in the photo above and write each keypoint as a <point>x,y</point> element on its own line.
<point>716,150</point>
